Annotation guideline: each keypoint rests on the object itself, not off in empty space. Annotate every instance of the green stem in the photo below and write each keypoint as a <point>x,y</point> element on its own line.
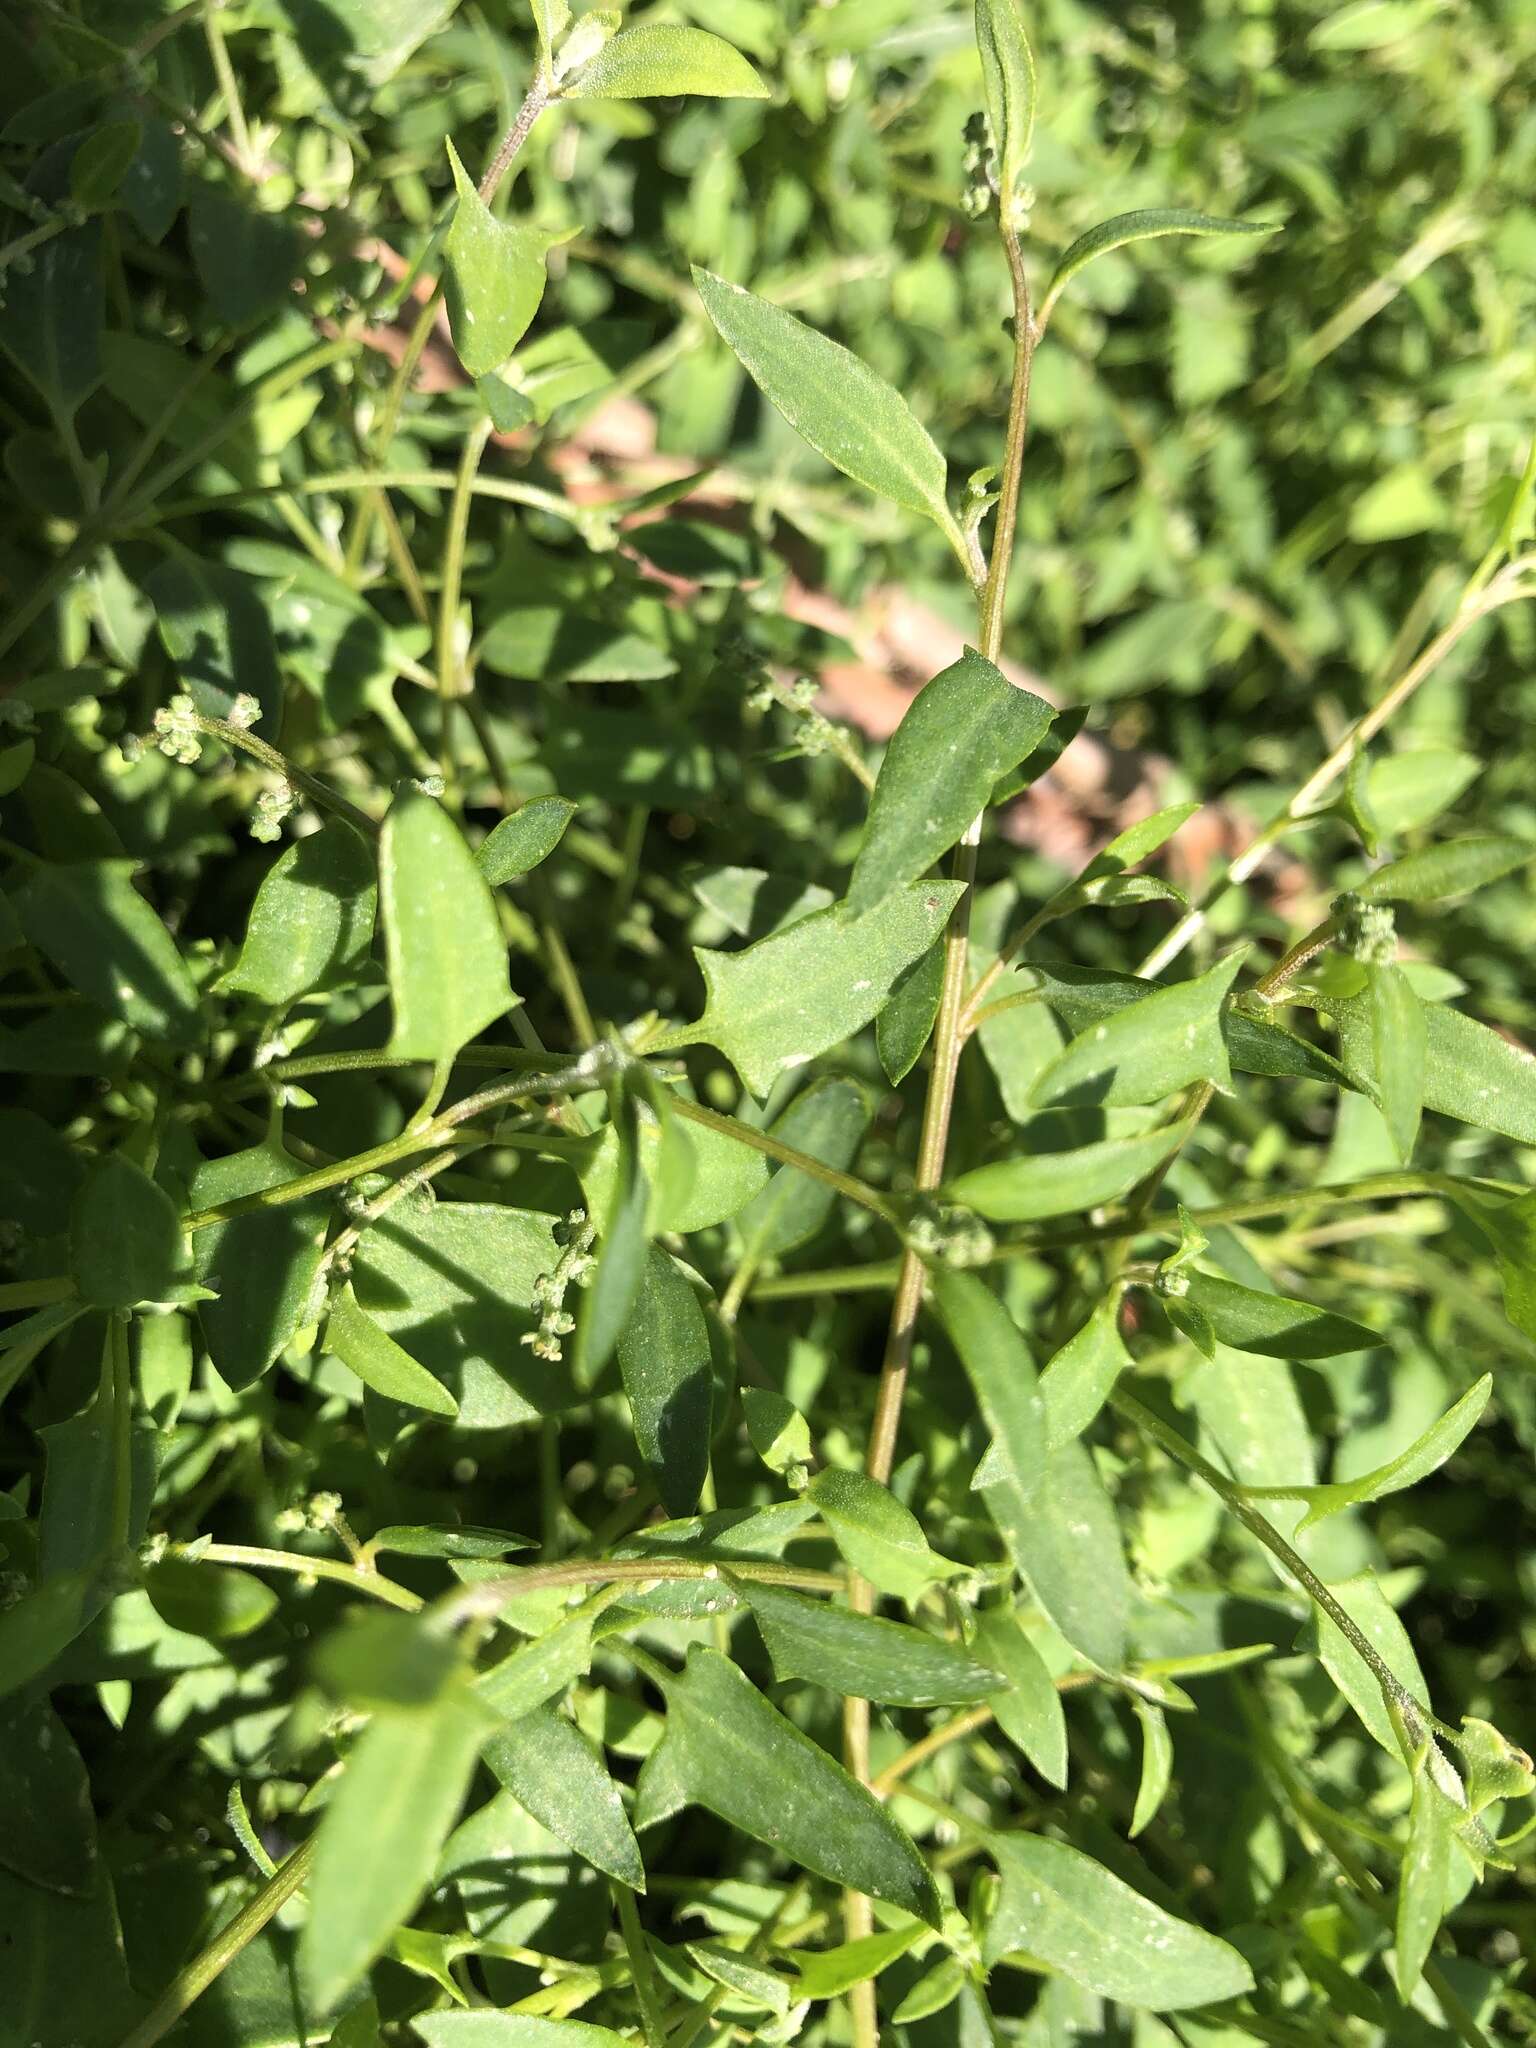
<point>361,1579</point>
<point>117,1379</point>
<point>189,1984</point>
<point>642,1968</point>
<point>774,1148</point>
<point>588,519</point>
<point>1416,1717</point>
<point>34,238</point>
<point>229,88</point>
<point>450,661</point>
<point>489,1596</point>
<point>237,737</point>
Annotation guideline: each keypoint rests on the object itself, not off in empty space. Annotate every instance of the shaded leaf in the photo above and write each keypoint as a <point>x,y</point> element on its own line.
<point>882,1540</point>
<point>1036,1185</point>
<point>664,1357</point>
<point>311,921</point>
<point>1029,1712</point>
<point>827,1121</point>
<point>98,931</point>
<point>1274,1324</point>
<point>125,1237</point>
<point>355,1338</point>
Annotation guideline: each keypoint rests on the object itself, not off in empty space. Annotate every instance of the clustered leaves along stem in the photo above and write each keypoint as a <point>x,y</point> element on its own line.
<point>436,1254</point>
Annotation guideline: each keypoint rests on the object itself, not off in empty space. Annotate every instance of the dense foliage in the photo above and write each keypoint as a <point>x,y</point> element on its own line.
<point>699,1346</point>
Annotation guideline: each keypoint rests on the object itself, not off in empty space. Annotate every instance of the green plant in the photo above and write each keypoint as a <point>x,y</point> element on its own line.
<point>396,1204</point>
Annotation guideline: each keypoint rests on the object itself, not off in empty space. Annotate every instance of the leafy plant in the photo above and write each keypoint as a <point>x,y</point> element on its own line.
<point>629,1414</point>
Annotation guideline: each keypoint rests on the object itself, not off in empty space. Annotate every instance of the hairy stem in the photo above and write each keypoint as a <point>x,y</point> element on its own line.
<point>948,1041</point>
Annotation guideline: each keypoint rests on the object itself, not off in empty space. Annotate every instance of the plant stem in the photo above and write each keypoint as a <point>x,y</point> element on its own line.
<point>489,1596</point>
<point>1476,604</point>
<point>1416,1717</point>
<point>229,89</point>
<point>389,416</point>
<point>450,660</point>
<point>362,1579</point>
<point>641,1967</point>
<point>318,792</point>
<point>774,1148</point>
<point>948,1041</point>
<point>189,1983</point>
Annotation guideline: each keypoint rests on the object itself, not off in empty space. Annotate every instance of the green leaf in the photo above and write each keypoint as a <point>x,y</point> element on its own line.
<point>862,1656</point>
<point>410,1539</point>
<point>775,1005</point>
<point>355,1338</point>
<point>1150,1049</point>
<point>454,1283</point>
<point>1424,1885</point>
<point>829,1972</point>
<point>1510,1228</point>
<point>540,1670</point>
<point>1140,227</point>
<point>212,1600</point>
<point>67,1979</point>
<point>780,1434</point>
<point>1409,789</point>
<point>1399,1039</point>
<point>962,730</point>
<point>1426,1454</point>
<point>511,2030</point>
<point>932,1992</point>
<point>1064,1910</point>
<point>100,164</point>
<point>1372,1613</point>
<point>551,1768</point>
<point>97,930</point>
<point>520,842</point>
<point>656,61</point>
<point>905,1025</point>
<point>378,1659</point>
<point>245,260</point>
<point>1082,1375</point>
<point>723,1175</point>
<point>1041,1184</point>
<point>125,1237</point>
<point>1477,1076</point>
<point>1029,1712</point>
<point>622,1253</point>
<point>742,1760</point>
<point>311,922</point>
<point>446,956</point>
<point>53,317</point>
<point>1156,1764</point>
<point>380,1835</point>
<point>49,1836</point>
<point>1008,73</point>
<point>1002,1376</point>
<point>725,1966</point>
<point>1455,868</point>
<point>261,1266</point>
<point>493,277</point>
<point>833,400</point>
<point>372,38</point>
<point>827,1121</point>
<point>1371,24</point>
<point>1067,1547</point>
<point>216,630</point>
<point>882,1540</point>
<point>1273,1324</point>
<point>664,1358</point>
<point>551,19</point>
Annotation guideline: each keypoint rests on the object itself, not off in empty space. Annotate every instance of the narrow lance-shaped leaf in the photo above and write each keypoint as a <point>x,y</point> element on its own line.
<point>1002,1376</point>
<point>962,730</point>
<point>621,1252</point>
<point>493,278</point>
<point>1426,1454</point>
<point>1156,1764</point>
<point>1143,226</point>
<point>1080,1378</point>
<point>1150,1049</point>
<point>1036,1185</point>
<point>740,1758</point>
<point>1399,1043</point>
<point>1062,1909</point>
<point>1453,869</point>
<point>125,1240</point>
<point>665,1360</point>
<point>380,1835</point>
<point>657,61</point>
<point>862,1655</point>
<point>485,2029</point>
<point>529,836</point>
<point>1511,1229</point>
<point>1008,72</point>
<point>1425,1878</point>
<point>553,1770</point>
<point>775,1005</point>
<point>1067,1547</point>
<point>847,413</point>
<point>446,956</point>
<point>827,1121</point>
<point>1274,1324</point>
<point>1029,1712</point>
<point>93,925</point>
<point>881,1539</point>
<point>379,1362</point>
